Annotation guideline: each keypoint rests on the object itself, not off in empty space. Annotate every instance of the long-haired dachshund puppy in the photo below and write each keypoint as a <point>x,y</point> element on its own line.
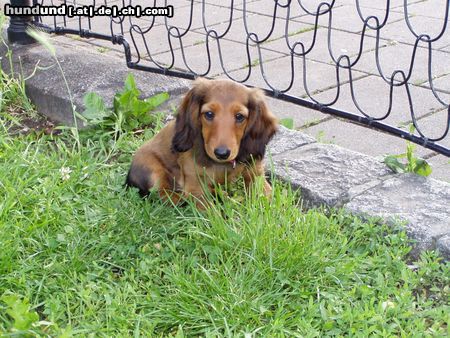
<point>220,132</point>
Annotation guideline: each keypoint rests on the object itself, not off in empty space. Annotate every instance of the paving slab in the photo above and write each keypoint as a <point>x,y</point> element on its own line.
<point>419,203</point>
<point>94,72</point>
<point>328,174</point>
<point>443,245</point>
<point>428,8</point>
<point>158,40</point>
<point>443,84</point>
<point>434,126</point>
<point>370,89</point>
<point>441,167</point>
<point>100,24</point>
<point>341,43</point>
<point>360,138</point>
<point>152,34</point>
<point>278,74</point>
<point>303,34</point>
<point>346,18</point>
<point>442,87</point>
<point>400,32</point>
<point>267,8</point>
<point>213,14</point>
<point>257,24</point>
<point>263,7</point>
<point>196,57</point>
<point>224,3</point>
<point>395,5</point>
<point>398,57</point>
<point>301,116</point>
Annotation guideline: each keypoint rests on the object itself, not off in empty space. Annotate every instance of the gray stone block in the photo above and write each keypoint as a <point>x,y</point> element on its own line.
<point>443,245</point>
<point>85,71</point>
<point>420,203</point>
<point>286,139</point>
<point>327,174</point>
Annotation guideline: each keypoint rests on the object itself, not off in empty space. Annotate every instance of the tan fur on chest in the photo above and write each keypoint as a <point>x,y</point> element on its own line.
<point>212,174</point>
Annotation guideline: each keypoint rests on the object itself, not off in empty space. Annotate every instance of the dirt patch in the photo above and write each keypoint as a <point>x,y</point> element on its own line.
<point>20,122</point>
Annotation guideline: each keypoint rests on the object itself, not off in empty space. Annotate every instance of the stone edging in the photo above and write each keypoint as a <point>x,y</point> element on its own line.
<point>336,177</point>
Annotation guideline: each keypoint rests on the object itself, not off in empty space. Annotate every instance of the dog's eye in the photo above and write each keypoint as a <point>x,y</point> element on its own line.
<point>239,117</point>
<point>209,115</point>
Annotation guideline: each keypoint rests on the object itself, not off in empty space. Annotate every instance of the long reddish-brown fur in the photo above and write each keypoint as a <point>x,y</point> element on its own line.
<point>220,132</point>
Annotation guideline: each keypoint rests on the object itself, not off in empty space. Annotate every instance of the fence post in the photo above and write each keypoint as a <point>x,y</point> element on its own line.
<point>18,24</point>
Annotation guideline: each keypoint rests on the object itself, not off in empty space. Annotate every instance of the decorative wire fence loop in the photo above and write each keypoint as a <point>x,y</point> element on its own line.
<point>282,46</point>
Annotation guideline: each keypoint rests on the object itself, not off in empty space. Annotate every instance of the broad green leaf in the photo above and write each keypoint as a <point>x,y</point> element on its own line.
<point>130,85</point>
<point>146,119</point>
<point>95,107</point>
<point>287,122</point>
<point>157,100</point>
<point>399,155</point>
<point>130,124</point>
<point>410,156</point>
<point>125,101</point>
<point>394,164</point>
<point>422,167</point>
<point>140,107</point>
<point>116,102</point>
<point>328,325</point>
<point>19,310</point>
<point>129,111</point>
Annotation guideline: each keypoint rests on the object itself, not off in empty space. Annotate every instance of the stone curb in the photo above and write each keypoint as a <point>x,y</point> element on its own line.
<point>327,175</point>
<point>85,70</point>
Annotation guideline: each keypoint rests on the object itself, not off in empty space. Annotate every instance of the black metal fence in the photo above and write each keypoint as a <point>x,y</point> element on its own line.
<point>375,55</point>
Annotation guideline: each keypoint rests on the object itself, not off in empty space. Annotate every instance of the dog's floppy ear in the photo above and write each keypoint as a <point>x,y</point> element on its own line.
<point>187,124</point>
<point>261,126</point>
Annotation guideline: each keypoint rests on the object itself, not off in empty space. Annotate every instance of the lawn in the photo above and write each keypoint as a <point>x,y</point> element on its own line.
<point>82,256</point>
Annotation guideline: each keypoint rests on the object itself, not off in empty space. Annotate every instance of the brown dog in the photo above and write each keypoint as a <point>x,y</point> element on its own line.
<point>221,131</point>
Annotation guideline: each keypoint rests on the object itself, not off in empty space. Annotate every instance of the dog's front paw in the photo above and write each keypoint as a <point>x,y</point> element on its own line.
<point>267,190</point>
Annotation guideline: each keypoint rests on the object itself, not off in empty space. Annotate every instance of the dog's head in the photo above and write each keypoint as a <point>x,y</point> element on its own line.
<point>233,122</point>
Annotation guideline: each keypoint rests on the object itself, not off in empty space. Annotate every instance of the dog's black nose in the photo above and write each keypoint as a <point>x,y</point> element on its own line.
<point>222,153</point>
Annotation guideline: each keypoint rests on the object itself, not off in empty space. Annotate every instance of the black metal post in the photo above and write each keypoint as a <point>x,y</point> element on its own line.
<point>18,24</point>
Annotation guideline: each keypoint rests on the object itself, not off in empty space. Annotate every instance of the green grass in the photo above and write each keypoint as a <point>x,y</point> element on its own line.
<point>81,255</point>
